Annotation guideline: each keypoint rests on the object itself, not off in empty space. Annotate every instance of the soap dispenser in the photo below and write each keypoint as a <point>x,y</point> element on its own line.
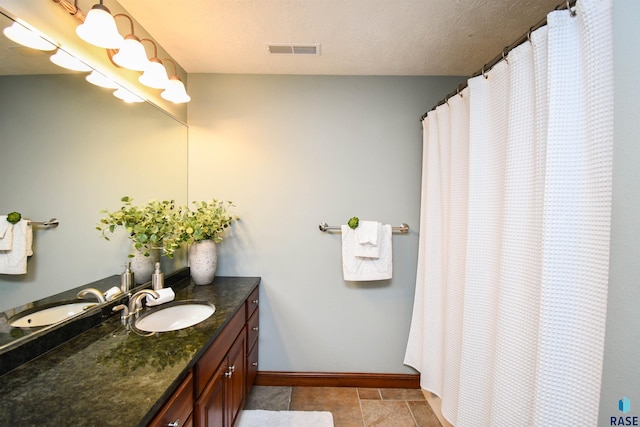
<point>126,279</point>
<point>157,278</point>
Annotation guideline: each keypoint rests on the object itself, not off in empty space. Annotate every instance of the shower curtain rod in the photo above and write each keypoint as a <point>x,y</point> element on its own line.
<point>502,55</point>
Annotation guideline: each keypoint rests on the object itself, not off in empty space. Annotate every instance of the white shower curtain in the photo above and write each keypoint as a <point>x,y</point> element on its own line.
<point>510,302</point>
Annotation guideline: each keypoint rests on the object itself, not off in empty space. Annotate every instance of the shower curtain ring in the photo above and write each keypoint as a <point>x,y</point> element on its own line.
<point>483,73</point>
<point>504,55</point>
<point>571,11</point>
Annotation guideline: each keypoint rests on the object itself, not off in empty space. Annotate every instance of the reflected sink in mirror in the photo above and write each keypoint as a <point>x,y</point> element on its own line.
<point>50,315</point>
<point>175,316</point>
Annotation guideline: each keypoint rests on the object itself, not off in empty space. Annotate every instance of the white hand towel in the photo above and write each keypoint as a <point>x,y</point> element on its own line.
<point>112,293</point>
<point>166,295</point>
<point>6,234</point>
<point>14,261</point>
<point>368,239</point>
<point>365,269</point>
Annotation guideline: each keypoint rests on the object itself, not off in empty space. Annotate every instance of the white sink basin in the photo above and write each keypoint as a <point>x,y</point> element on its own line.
<point>178,315</point>
<point>51,315</point>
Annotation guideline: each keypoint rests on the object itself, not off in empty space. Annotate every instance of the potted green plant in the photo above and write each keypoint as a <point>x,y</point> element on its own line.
<point>152,228</point>
<point>202,229</point>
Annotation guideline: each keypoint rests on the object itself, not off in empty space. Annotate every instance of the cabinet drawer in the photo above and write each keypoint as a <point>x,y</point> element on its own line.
<point>215,354</point>
<point>253,328</point>
<point>178,408</point>
<point>252,302</point>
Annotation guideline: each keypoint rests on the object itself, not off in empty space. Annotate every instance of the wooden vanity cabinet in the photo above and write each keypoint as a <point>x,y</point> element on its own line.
<point>222,377</point>
<point>177,411</point>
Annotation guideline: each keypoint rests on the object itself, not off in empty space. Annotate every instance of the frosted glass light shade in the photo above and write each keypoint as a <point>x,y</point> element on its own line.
<point>175,91</point>
<point>26,37</point>
<point>101,80</point>
<point>155,75</point>
<point>99,28</point>
<point>127,96</point>
<point>65,60</point>
<point>131,54</point>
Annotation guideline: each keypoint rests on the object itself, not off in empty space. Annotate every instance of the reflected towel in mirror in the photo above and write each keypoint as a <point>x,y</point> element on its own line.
<point>14,261</point>
<point>6,234</point>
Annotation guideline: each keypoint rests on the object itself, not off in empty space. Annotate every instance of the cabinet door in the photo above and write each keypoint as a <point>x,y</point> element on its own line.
<point>209,409</point>
<point>252,368</point>
<point>236,381</point>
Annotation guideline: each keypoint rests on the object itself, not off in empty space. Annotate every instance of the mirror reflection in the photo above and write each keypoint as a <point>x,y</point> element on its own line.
<point>69,150</point>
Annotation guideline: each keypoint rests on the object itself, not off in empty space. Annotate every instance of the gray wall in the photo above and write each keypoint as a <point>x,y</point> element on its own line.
<point>294,151</point>
<point>621,374</point>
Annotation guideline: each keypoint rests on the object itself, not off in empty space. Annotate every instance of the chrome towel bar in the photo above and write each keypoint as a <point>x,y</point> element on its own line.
<point>404,228</point>
<point>52,223</point>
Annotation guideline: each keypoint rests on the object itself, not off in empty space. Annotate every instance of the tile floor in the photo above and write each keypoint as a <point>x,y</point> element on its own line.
<point>350,406</point>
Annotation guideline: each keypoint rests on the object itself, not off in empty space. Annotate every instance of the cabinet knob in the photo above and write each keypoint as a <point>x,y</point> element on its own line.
<point>255,328</point>
<point>176,423</point>
<point>255,301</point>
<point>254,364</point>
<point>230,371</point>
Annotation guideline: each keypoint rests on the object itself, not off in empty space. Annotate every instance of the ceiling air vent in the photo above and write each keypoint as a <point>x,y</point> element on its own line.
<point>294,49</point>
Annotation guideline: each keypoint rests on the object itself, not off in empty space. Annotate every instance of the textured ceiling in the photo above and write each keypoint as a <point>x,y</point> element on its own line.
<point>356,37</point>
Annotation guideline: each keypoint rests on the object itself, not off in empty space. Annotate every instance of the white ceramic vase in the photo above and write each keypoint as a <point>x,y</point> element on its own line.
<point>203,260</point>
<point>143,266</point>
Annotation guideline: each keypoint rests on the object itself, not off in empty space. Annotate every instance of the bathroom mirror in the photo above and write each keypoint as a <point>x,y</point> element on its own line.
<point>70,149</point>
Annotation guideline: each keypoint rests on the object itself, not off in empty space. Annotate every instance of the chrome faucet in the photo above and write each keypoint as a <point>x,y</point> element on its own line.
<point>93,291</point>
<point>135,302</point>
<point>124,315</point>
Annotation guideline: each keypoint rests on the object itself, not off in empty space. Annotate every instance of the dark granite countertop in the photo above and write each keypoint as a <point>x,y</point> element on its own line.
<point>104,377</point>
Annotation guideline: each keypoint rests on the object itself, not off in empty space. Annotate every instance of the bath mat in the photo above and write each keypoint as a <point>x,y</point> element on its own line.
<point>261,418</point>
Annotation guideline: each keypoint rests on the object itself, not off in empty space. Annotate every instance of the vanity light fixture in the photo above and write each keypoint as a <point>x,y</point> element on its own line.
<point>131,54</point>
<point>175,90</point>
<point>99,79</point>
<point>70,62</point>
<point>155,75</point>
<point>26,37</point>
<point>99,28</point>
<point>127,96</point>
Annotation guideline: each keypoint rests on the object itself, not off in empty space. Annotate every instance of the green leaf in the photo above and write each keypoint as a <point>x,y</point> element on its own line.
<point>353,222</point>
<point>14,217</point>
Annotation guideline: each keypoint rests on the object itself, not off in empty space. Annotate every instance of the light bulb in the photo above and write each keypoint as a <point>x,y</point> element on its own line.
<point>127,96</point>
<point>175,91</point>
<point>101,80</point>
<point>155,75</point>
<point>65,60</point>
<point>99,28</point>
<point>28,38</point>
<point>131,54</point>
